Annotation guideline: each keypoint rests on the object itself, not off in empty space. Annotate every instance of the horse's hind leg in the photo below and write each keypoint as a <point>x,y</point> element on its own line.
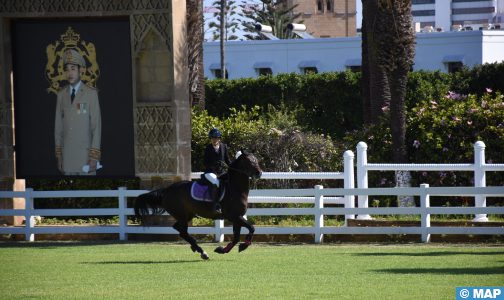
<point>182,229</point>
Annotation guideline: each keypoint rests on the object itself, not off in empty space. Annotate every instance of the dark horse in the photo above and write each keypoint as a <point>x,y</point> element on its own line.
<point>177,201</point>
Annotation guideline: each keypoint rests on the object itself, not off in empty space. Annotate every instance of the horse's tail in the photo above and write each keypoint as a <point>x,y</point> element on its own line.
<point>149,204</point>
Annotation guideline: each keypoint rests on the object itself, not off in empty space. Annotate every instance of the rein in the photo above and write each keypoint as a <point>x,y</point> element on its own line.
<point>235,169</point>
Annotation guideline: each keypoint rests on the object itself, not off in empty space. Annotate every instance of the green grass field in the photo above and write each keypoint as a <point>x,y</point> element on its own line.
<point>117,270</point>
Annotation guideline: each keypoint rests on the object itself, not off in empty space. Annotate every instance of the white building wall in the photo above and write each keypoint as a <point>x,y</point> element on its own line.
<point>443,14</point>
<point>433,50</point>
<point>493,47</point>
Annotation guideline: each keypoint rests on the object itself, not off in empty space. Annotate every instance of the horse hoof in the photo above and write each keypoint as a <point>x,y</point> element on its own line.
<point>204,256</point>
<point>242,247</point>
<point>220,250</point>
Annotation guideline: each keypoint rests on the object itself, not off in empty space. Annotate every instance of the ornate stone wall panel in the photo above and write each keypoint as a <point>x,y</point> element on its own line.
<point>156,140</point>
<point>156,160</point>
<point>79,6</point>
<point>142,24</point>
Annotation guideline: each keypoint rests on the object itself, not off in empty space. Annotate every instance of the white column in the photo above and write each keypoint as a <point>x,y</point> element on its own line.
<point>425,222</point>
<point>348,169</point>
<point>362,178</point>
<point>479,178</point>
<point>319,217</point>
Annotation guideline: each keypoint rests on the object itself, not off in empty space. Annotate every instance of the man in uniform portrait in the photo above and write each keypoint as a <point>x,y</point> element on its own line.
<point>77,128</point>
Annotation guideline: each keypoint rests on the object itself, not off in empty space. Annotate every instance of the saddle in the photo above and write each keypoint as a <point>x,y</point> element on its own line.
<point>200,192</point>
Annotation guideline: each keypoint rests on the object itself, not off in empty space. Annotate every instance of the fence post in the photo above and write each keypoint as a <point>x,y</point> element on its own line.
<point>362,177</point>
<point>348,183</point>
<point>319,217</point>
<point>29,218</point>
<point>123,218</point>
<point>479,178</point>
<point>219,236</point>
<point>425,221</point>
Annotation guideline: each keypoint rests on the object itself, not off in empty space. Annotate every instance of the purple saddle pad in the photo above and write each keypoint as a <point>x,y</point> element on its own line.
<point>200,192</point>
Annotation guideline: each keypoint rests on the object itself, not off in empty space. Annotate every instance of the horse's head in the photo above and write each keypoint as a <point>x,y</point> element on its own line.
<point>248,164</point>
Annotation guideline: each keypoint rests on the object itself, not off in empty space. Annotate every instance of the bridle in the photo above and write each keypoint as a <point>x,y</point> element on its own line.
<point>237,170</point>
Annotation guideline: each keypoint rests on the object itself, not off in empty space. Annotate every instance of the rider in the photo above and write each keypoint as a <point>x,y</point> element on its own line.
<point>215,159</point>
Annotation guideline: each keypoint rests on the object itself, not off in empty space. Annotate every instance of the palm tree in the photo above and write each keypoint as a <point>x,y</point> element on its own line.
<point>276,14</point>
<point>400,50</point>
<point>223,37</point>
<point>226,23</point>
<point>388,53</point>
<point>195,36</point>
<point>231,23</point>
<point>375,88</point>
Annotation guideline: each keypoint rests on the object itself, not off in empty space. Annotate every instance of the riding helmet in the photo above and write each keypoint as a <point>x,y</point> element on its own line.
<point>214,133</point>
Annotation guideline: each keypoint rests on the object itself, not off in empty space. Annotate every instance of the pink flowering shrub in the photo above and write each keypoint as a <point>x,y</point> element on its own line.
<point>442,130</point>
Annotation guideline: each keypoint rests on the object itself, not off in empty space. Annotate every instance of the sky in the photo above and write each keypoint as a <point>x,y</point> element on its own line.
<point>208,4</point>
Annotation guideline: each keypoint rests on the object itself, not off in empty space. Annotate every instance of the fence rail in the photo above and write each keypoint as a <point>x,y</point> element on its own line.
<point>317,195</point>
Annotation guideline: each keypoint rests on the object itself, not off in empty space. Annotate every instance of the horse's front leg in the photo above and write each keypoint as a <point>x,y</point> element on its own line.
<point>248,238</point>
<point>182,229</point>
<point>236,239</point>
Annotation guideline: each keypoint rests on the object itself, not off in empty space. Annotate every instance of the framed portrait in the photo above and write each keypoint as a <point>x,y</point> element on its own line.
<point>73,98</point>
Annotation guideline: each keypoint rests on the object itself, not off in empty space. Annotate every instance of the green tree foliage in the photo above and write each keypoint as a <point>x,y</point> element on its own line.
<point>232,21</point>
<point>476,80</point>
<point>274,136</point>
<point>276,14</point>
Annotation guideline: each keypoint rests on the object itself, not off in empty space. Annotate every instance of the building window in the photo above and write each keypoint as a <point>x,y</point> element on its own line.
<point>469,0</point>
<point>424,24</point>
<point>320,6</point>
<point>309,70</point>
<point>454,66</point>
<point>329,6</point>
<point>473,10</point>
<point>264,71</point>
<point>424,2</point>
<point>423,13</point>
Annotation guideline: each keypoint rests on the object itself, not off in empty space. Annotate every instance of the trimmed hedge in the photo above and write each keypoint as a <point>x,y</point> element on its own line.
<point>315,96</point>
<point>330,103</point>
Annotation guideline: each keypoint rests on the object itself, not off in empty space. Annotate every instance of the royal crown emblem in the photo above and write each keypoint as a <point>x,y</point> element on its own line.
<point>55,72</point>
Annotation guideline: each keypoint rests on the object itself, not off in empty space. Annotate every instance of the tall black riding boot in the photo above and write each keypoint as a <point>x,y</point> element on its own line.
<point>214,193</point>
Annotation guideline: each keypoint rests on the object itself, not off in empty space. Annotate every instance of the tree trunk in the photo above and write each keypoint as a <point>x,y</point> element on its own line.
<point>388,53</point>
<point>223,6</point>
<point>375,88</point>
<point>398,115</point>
<point>366,106</point>
<point>195,37</point>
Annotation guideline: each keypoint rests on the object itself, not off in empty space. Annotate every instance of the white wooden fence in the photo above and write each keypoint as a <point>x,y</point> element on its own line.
<point>318,197</point>
<point>315,196</point>
<point>479,167</point>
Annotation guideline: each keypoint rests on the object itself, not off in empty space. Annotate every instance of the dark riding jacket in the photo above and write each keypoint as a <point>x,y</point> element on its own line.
<point>214,159</point>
